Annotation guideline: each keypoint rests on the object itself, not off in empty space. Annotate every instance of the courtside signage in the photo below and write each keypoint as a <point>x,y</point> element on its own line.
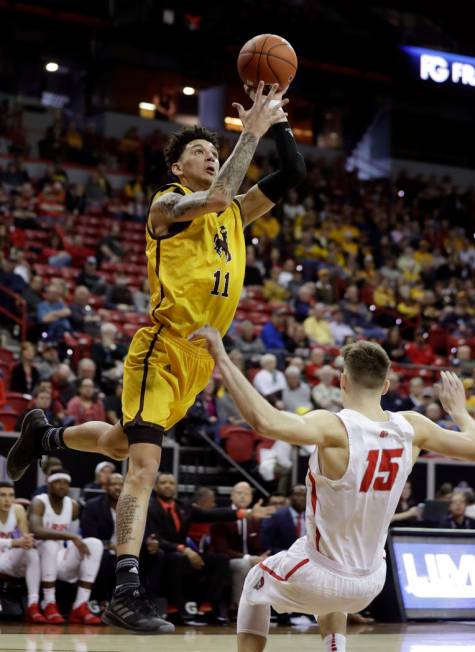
<point>436,575</point>
<point>443,67</point>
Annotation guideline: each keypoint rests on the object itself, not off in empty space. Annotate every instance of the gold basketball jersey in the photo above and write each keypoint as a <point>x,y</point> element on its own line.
<point>196,271</point>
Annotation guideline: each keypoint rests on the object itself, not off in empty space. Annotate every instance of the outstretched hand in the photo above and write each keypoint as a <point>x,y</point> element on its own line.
<point>265,111</point>
<point>452,393</point>
<point>213,339</point>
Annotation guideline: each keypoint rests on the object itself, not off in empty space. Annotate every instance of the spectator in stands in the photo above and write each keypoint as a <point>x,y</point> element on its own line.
<point>90,278</point>
<point>292,207</point>
<point>357,315</point>
<point>238,540</point>
<point>51,204</point>
<point>113,404</point>
<point>267,227</point>
<point>406,509</point>
<point>98,520</point>
<point>317,327</point>
<point>76,199</point>
<point>339,330</point>
<point>416,393</point>
<point>49,360</point>
<point>86,369</point>
<point>25,375</point>
<point>325,394</point>
<point>119,295</point>
<point>287,524</point>
<point>324,287</point>
<point>304,301</point>
<point>102,474</point>
<point>228,413</point>
<point>456,519</point>
<point>86,406</point>
<point>51,518</point>
<point>269,381</point>
<point>470,510</point>
<point>315,363</point>
<point>108,355</point>
<point>420,351</point>
<point>110,248</point>
<point>433,411</point>
<point>272,334</point>
<point>250,344</point>
<point>254,272</point>
<point>72,138</point>
<point>83,317</point>
<point>11,281</point>
<point>43,400</point>
<point>33,295</point>
<point>277,500</point>
<point>394,345</point>
<point>63,384</point>
<point>393,400</point>
<point>445,492</point>
<point>142,297</point>
<point>237,359</point>
<point>465,361</point>
<point>97,189</point>
<point>53,313</point>
<point>296,395</point>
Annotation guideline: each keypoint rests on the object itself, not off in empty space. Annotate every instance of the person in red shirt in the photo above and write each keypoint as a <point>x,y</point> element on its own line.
<point>86,406</point>
<point>420,351</point>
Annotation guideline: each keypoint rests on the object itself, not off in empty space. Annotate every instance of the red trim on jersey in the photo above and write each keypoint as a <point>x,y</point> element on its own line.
<point>289,574</point>
<point>333,644</point>
<point>314,507</point>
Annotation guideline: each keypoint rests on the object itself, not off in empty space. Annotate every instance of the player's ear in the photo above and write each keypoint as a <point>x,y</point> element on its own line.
<point>177,168</point>
<point>385,387</point>
<point>343,381</point>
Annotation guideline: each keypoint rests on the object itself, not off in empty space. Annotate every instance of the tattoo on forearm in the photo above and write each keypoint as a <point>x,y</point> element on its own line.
<point>234,170</point>
<point>127,516</point>
<point>196,200</point>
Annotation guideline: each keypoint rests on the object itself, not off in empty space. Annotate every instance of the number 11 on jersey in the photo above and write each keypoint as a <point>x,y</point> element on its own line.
<point>217,282</point>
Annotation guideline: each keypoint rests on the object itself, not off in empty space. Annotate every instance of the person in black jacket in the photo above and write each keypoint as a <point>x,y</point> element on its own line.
<point>456,519</point>
<point>25,375</point>
<point>168,521</point>
<point>98,519</point>
<point>286,525</point>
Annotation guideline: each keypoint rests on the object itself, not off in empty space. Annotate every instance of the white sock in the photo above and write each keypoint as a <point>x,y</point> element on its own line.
<point>335,643</point>
<point>49,596</point>
<point>33,598</point>
<point>81,596</point>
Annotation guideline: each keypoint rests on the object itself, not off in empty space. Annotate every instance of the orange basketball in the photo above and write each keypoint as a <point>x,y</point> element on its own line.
<point>269,58</point>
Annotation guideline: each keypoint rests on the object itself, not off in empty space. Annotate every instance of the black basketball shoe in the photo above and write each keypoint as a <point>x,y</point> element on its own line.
<point>27,448</point>
<point>132,610</point>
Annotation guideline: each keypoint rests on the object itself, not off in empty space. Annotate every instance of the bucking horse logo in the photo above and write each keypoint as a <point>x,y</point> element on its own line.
<point>221,243</point>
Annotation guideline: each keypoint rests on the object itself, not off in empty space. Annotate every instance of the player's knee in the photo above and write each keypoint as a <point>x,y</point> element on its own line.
<point>95,546</point>
<point>32,556</point>
<point>48,549</point>
<point>114,444</point>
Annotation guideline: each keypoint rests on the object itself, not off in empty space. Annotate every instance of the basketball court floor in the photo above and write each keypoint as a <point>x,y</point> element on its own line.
<point>417,637</point>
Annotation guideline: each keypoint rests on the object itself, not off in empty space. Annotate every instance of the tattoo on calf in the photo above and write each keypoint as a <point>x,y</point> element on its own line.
<point>127,516</point>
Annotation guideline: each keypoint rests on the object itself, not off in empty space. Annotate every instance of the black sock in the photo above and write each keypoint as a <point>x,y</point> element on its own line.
<point>53,439</point>
<point>127,573</point>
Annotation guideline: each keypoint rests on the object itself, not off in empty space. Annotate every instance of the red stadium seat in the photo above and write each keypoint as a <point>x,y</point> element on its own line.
<point>8,418</point>
<point>18,402</point>
<point>238,442</point>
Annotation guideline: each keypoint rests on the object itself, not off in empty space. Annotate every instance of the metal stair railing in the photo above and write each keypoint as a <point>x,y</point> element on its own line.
<point>252,481</point>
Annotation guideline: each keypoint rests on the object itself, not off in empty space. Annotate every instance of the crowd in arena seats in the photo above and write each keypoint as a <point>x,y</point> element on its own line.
<point>340,259</point>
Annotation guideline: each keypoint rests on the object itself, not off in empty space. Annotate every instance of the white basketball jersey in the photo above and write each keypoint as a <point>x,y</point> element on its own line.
<point>348,519</point>
<point>7,529</point>
<point>60,522</point>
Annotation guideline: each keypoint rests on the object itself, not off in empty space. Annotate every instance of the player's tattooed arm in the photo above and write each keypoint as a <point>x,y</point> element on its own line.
<point>232,173</point>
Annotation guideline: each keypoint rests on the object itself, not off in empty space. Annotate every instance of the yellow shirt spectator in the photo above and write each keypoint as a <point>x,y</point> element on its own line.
<point>267,227</point>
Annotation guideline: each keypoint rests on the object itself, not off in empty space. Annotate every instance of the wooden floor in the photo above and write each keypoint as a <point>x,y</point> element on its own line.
<point>416,637</point>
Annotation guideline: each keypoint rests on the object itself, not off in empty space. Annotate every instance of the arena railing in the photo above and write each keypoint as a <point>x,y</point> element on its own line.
<point>22,319</point>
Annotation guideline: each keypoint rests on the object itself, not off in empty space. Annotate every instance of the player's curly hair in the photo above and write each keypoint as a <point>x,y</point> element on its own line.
<point>180,139</point>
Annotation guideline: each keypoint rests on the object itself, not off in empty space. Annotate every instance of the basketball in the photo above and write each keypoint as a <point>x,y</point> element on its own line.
<point>269,58</point>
